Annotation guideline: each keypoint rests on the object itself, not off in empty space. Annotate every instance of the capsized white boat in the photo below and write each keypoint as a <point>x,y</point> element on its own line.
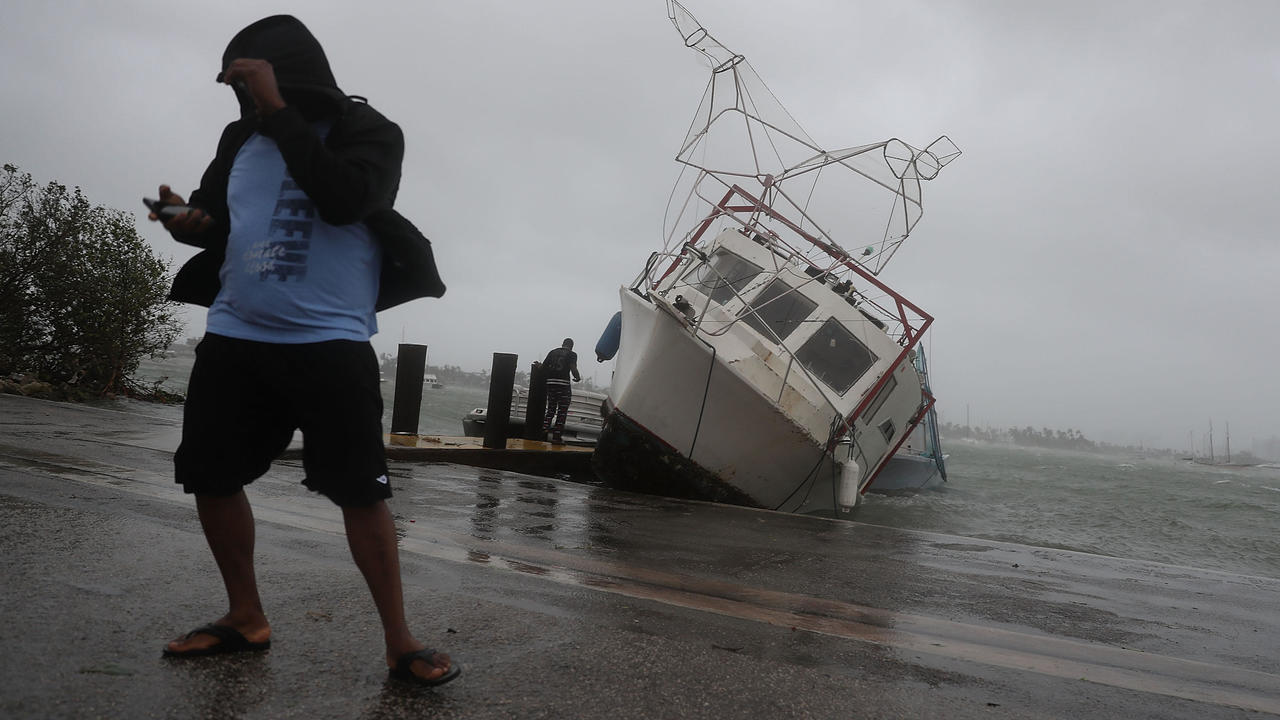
<point>759,362</point>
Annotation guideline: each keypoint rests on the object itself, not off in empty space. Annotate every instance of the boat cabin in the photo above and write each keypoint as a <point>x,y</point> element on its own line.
<point>799,335</point>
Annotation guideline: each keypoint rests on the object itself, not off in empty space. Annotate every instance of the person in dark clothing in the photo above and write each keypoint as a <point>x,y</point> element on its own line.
<point>300,248</point>
<point>558,366</point>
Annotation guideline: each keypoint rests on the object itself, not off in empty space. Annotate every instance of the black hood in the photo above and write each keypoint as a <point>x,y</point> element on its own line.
<point>301,68</point>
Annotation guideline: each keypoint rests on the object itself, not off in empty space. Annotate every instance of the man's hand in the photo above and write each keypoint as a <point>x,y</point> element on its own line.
<point>259,79</point>
<point>188,223</point>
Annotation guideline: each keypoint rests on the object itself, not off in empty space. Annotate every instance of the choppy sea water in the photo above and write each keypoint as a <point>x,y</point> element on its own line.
<point>441,411</point>
<point>1148,508</point>
<point>1155,508</point>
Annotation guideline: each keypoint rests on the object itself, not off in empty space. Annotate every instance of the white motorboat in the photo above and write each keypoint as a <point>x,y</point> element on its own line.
<point>758,361</point>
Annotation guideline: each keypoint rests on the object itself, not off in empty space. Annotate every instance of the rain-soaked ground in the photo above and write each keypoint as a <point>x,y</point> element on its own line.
<point>564,600</point>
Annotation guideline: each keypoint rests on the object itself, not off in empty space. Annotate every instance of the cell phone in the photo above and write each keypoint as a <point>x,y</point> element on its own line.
<point>164,211</point>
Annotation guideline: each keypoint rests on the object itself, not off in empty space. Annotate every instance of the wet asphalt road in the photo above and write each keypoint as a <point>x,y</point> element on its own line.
<point>571,601</point>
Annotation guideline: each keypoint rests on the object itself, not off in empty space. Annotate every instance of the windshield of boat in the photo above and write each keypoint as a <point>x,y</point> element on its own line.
<point>778,310</point>
<point>723,276</point>
<point>835,356</point>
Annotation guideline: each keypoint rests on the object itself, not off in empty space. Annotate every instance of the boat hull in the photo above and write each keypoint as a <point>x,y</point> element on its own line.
<point>906,473</point>
<point>677,425</point>
<point>629,457</point>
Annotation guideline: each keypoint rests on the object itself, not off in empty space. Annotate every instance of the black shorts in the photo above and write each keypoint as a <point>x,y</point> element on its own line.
<point>246,398</point>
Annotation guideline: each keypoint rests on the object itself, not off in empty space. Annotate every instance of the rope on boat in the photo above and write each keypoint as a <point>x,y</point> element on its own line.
<point>811,477</point>
<point>706,388</point>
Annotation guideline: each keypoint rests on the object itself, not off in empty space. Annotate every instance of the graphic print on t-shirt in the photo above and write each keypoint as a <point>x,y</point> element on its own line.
<point>283,254</point>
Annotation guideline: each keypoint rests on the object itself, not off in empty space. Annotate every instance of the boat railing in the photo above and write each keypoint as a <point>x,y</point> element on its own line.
<point>706,306</point>
<point>646,281</point>
<point>904,321</point>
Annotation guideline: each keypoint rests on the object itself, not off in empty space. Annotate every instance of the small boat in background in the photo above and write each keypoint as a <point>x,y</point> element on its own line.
<point>431,381</point>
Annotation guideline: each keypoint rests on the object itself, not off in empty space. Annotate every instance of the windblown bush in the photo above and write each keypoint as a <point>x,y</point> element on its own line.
<point>82,295</point>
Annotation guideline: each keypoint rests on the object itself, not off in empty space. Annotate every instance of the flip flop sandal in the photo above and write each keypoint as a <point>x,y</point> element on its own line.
<point>229,641</point>
<point>403,669</point>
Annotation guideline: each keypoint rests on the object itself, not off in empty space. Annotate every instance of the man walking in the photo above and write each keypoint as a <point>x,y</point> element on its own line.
<point>301,247</point>
<point>559,364</point>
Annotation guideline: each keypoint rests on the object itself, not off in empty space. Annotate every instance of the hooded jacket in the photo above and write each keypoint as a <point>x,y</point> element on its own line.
<point>351,175</point>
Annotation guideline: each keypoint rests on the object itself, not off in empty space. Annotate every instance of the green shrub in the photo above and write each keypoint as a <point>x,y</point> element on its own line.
<point>83,298</point>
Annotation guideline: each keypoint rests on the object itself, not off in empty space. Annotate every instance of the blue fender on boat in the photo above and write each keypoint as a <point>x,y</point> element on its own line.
<point>607,345</point>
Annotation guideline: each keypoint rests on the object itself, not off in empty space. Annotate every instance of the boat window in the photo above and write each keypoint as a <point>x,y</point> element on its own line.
<point>887,430</point>
<point>881,396</point>
<point>723,276</point>
<point>778,310</point>
<point>835,356</point>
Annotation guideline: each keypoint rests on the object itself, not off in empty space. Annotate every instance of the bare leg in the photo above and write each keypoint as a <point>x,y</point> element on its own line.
<point>371,534</point>
<point>228,528</point>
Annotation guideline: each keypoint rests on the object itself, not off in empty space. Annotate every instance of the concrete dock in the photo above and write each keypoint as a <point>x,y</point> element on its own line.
<point>565,600</point>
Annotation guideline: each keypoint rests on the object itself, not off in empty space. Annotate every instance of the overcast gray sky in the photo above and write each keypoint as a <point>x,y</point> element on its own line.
<point>1103,256</point>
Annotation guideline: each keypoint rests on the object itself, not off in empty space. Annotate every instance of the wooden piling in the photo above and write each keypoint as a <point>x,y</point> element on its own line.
<point>406,405</point>
<point>535,407</point>
<point>497,416</point>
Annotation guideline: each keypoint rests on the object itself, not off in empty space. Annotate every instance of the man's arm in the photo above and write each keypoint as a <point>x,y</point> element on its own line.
<point>347,179</point>
<point>208,224</point>
<point>185,227</point>
<point>574,368</point>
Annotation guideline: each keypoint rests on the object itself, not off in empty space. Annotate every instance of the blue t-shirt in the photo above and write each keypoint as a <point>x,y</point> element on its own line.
<point>288,276</point>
